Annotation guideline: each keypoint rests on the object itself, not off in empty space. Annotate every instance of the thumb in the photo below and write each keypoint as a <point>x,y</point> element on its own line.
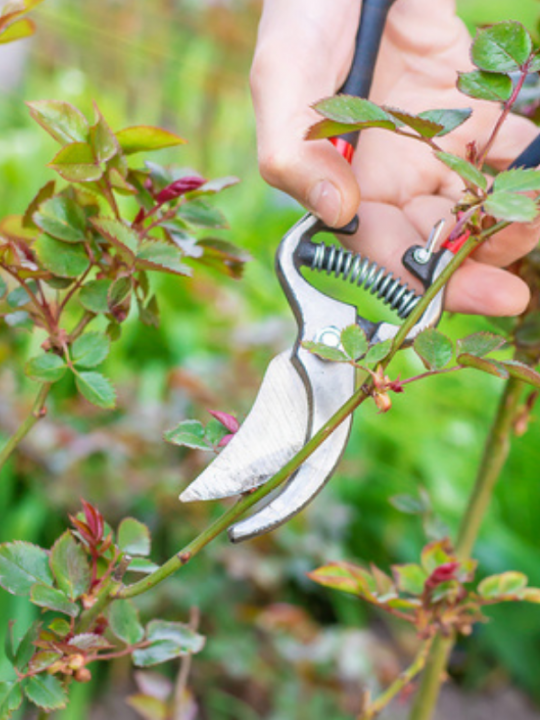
<point>303,53</point>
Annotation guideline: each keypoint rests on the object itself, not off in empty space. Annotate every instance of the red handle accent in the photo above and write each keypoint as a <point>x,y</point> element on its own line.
<point>344,148</point>
<point>457,243</point>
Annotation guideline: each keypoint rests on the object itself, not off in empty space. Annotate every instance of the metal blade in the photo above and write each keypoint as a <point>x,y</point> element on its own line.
<point>330,386</point>
<point>273,432</point>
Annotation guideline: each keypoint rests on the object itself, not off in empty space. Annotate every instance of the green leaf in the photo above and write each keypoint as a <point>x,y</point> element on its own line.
<point>422,125</point>
<point>45,691</point>
<point>60,119</point>
<point>3,287</point>
<point>518,180</point>
<point>507,583</point>
<point>90,349</point>
<point>522,372</point>
<point>326,352</point>
<point>449,119</point>
<point>19,297</point>
<point>480,344</point>
<point>503,47</point>
<point>89,641</point>
<point>408,504</point>
<point>144,138</point>
<point>43,194</point>
<point>492,367</point>
<point>97,389</point>
<point>17,31</point>
<point>62,218</point>
<point>70,567</point>
<point>53,599</point>
<point>149,313</point>
<point>75,163</point>
<point>20,319</point>
<point>121,236</point>
<point>410,578</point>
<point>42,660</point>
<point>118,292</point>
<point>202,215</point>
<point>347,578</point>
<point>435,554</point>
<point>124,622</point>
<point>354,111</point>
<point>61,258</point>
<point>141,565</point>
<point>60,627</point>
<point>223,256</point>
<point>133,537</point>
<point>93,296</point>
<point>465,169</point>
<point>434,349</point>
<point>511,206</point>
<point>189,433</point>
<point>102,139</point>
<point>45,368</point>
<point>10,698</point>
<point>215,432</point>
<point>377,352</point>
<point>485,85</point>
<point>354,341</point>
<point>161,256</point>
<point>21,565</point>
<point>26,647</point>
<point>169,640</point>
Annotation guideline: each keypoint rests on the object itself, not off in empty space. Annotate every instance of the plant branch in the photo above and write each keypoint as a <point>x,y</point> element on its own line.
<point>399,684</point>
<point>495,453</point>
<point>504,114</point>
<point>37,412</point>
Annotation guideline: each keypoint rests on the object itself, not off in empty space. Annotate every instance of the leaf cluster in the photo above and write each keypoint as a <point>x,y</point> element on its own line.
<point>65,582</point>
<point>14,25</point>
<point>433,595</point>
<point>74,248</point>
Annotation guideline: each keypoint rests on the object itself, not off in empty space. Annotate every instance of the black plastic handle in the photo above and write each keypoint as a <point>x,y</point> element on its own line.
<point>368,40</point>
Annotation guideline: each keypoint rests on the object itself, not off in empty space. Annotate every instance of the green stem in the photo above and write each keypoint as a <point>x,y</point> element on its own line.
<point>236,512</point>
<point>37,412</point>
<point>495,454</point>
<point>103,598</point>
<point>397,686</point>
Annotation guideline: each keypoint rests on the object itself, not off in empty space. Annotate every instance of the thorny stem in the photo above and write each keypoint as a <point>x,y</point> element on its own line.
<point>79,328</point>
<point>37,412</point>
<point>495,453</point>
<point>504,114</point>
<point>399,684</point>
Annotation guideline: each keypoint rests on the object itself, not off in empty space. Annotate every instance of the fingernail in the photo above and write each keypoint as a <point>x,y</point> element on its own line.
<point>325,201</point>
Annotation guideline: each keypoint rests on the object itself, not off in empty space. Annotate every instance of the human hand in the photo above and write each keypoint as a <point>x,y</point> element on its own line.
<point>303,53</point>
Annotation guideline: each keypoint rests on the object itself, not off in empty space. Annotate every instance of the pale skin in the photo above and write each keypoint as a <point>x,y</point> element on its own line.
<point>396,185</point>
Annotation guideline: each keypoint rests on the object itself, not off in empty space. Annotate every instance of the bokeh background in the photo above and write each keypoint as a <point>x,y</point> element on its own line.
<point>279,647</point>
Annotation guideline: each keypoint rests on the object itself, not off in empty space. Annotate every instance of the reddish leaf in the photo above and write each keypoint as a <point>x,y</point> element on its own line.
<point>228,421</point>
<point>179,187</point>
<point>443,573</point>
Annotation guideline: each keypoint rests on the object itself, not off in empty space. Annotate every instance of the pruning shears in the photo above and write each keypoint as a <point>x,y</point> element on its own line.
<point>300,391</point>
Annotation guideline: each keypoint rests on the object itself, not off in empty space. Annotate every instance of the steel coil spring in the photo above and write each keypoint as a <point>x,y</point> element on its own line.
<point>367,274</point>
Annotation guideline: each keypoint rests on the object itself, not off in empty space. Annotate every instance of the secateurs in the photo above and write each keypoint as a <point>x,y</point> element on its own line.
<point>300,391</point>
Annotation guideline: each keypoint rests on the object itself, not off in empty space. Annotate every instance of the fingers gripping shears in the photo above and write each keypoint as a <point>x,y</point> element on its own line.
<point>300,391</point>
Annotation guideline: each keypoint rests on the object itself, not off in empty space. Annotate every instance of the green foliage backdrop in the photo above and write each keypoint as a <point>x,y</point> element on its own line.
<point>185,66</point>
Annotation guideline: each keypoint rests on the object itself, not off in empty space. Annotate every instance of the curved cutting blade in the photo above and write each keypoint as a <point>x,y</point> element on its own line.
<point>330,386</point>
<point>273,432</point>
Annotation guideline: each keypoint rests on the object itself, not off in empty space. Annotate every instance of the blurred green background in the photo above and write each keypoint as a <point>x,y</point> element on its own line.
<point>279,647</point>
